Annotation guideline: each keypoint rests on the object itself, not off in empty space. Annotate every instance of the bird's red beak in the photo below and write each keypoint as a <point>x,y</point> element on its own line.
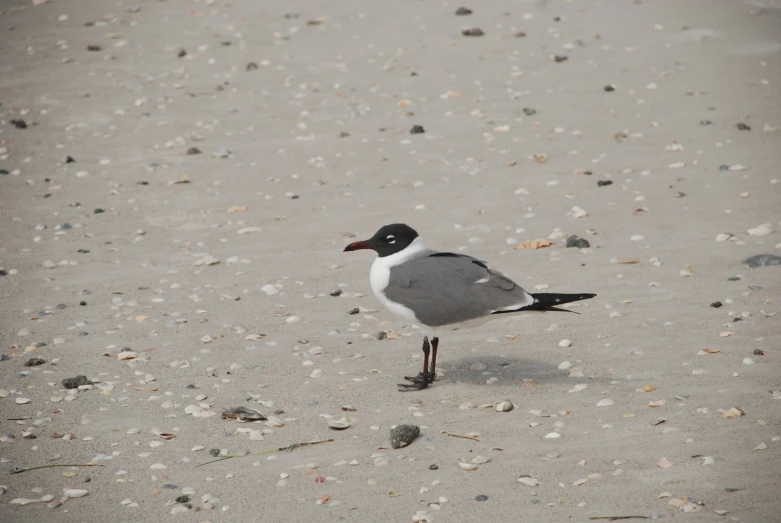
<point>356,246</point>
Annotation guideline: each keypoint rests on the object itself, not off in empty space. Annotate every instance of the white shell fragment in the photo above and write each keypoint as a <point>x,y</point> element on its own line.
<point>528,481</point>
<point>504,406</point>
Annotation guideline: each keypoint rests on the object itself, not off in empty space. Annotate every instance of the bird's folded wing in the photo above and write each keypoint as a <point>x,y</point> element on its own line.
<point>447,288</point>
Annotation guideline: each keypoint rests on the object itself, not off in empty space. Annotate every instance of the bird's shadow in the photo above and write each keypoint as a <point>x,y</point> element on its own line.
<point>507,371</point>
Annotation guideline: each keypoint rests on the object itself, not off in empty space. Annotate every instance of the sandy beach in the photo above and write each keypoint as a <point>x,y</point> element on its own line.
<point>178,180</point>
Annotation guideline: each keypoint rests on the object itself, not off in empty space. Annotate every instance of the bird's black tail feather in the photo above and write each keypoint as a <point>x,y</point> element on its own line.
<point>549,301</point>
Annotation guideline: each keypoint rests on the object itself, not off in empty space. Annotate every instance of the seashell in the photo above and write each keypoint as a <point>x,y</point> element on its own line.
<point>684,504</point>
<point>529,481</point>
<point>74,492</point>
<point>480,460</point>
<point>505,406</point>
<point>734,412</point>
<point>340,424</point>
<point>579,482</point>
<point>605,402</point>
<point>243,414</point>
<point>127,355</point>
<point>467,466</point>
<point>24,501</point>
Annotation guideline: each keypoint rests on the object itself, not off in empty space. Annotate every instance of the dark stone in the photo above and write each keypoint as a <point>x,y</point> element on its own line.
<point>182,53</point>
<point>278,412</point>
<point>337,292</point>
<point>66,226</point>
<point>193,150</point>
<point>4,357</point>
<point>417,129</point>
<point>382,335</point>
<point>528,111</point>
<point>86,480</point>
<point>724,167</point>
<point>473,31</point>
<point>214,452</point>
<point>94,48</point>
<point>560,58</point>
<point>82,303</point>
<point>170,486</point>
<point>19,123</point>
<point>463,11</point>
<point>61,306</point>
<point>83,333</point>
<point>403,435</point>
<point>99,211</point>
<point>733,278</point>
<point>680,194</point>
<point>762,260</point>
<point>69,159</point>
<point>34,362</point>
<point>520,34</point>
<point>433,467</point>
<point>251,66</point>
<point>5,172</point>
<point>183,499</point>
<point>75,382</point>
<point>481,497</point>
<point>604,183</point>
<point>609,88</point>
<point>759,352</point>
<point>716,304</point>
<point>83,251</point>
<point>3,272</point>
<point>742,127</point>
<point>355,310</point>
<point>705,122</point>
<point>580,243</point>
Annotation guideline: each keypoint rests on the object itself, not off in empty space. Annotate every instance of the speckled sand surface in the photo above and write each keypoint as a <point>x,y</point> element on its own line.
<point>223,153</point>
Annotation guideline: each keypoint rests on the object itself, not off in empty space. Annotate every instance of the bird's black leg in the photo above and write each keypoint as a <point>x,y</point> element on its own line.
<point>420,382</point>
<point>432,374</point>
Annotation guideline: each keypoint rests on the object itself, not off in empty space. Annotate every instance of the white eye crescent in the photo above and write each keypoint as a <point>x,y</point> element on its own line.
<point>391,238</point>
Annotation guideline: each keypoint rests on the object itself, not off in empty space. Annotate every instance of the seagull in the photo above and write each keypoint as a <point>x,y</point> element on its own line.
<point>444,291</point>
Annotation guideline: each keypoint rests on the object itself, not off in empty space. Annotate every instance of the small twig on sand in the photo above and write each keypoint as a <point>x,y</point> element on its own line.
<point>21,469</point>
<point>616,518</point>
<point>473,438</point>
<point>289,448</point>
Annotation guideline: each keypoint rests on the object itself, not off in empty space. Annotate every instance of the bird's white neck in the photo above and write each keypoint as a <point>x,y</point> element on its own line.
<point>380,271</point>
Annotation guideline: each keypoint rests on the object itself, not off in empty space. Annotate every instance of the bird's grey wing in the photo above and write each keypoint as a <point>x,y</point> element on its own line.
<point>446,288</point>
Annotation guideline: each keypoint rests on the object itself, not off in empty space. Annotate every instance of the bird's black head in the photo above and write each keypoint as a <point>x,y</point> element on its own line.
<point>390,239</point>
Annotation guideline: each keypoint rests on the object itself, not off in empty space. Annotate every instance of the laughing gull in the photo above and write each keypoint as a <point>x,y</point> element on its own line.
<point>443,291</point>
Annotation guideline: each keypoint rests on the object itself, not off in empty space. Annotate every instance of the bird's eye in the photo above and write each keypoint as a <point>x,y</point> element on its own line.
<point>391,238</point>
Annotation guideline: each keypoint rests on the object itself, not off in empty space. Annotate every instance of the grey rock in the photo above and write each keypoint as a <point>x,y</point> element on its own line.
<point>75,382</point>
<point>403,435</point>
<point>34,362</point>
<point>575,241</point>
<point>762,260</point>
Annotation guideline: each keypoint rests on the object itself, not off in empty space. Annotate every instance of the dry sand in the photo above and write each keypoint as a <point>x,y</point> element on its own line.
<point>311,145</point>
